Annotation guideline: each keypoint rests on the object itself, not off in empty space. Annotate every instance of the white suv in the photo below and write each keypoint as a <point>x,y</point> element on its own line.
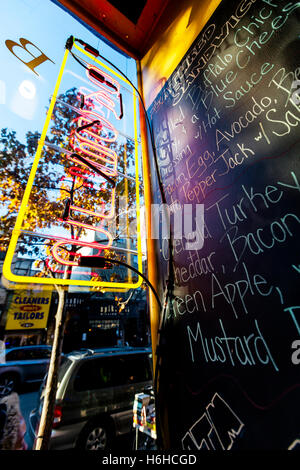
<point>95,395</point>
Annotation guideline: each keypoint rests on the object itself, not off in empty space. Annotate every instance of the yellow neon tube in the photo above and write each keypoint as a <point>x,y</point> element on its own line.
<point>17,229</point>
<point>138,222</point>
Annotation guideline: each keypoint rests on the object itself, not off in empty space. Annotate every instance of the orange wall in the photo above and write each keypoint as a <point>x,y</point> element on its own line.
<point>174,41</point>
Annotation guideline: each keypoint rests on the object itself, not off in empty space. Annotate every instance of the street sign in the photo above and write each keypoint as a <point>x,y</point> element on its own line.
<point>28,310</point>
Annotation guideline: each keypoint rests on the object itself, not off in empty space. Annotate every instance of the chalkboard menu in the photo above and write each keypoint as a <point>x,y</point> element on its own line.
<point>226,126</point>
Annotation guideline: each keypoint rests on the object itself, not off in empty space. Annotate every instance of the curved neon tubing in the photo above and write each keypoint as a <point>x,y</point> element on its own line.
<point>84,244</point>
<point>110,214</point>
<point>107,88</point>
<point>80,173</point>
<point>111,160</point>
<point>62,271</point>
<point>90,116</point>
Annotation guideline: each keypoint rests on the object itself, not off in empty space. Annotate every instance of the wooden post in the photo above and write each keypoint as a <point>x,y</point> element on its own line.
<point>151,259</point>
<point>46,421</point>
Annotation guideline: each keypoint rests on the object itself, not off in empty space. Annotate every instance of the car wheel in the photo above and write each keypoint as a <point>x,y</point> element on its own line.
<point>96,436</point>
<point>8,384</point>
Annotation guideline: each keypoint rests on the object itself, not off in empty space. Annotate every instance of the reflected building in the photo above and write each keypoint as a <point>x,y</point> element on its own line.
<point>94,319</point>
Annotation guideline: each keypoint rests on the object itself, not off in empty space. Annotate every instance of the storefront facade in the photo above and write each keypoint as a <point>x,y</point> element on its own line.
<point>218,89</point>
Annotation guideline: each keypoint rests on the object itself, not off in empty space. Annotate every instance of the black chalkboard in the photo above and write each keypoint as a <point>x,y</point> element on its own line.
<point>226,127</point>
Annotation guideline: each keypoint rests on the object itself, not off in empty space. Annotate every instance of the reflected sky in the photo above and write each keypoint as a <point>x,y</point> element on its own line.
<point>24,95</point>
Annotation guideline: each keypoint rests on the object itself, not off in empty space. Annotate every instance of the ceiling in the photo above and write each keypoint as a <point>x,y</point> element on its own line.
<point>132,26</point>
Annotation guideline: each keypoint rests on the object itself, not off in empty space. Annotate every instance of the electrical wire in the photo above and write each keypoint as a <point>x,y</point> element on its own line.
<point>81,62</point>
<point>162,191</point>
<point>91,262</point>
<point>161,345</point>
<point>170,282</point>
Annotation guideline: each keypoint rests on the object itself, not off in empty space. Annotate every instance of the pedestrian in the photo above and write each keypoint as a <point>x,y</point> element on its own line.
<point>14,426</point>
<point>3,415</point>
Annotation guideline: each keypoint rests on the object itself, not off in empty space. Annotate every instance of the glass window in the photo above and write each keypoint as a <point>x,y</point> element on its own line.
<point>115,371</point>
<point>25,91</point>
<point>28,354</point>
<point>15,355</point>
<point>94,374</point>
<point>33,38</point>
<point>40,353</point>
<point>136,369</point>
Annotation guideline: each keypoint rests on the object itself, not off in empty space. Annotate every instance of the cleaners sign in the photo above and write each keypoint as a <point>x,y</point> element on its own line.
<point>28,310</point>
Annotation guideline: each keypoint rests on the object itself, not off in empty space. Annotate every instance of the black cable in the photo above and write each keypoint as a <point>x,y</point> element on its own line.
<point>162,191</point>
<point>170,283</point>
<point>94,51</point>
<point>93,167</point>
<point>97,261</point>
<point>78,60</point>
<point>149,126</point>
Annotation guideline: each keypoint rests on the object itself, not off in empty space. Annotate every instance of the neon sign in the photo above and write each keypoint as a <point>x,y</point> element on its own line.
<point>112,87</point>
<point>94,163</point>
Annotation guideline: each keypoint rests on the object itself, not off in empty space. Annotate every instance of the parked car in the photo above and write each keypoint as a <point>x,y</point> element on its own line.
<point>95,395</point>
<point>22,365</point>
